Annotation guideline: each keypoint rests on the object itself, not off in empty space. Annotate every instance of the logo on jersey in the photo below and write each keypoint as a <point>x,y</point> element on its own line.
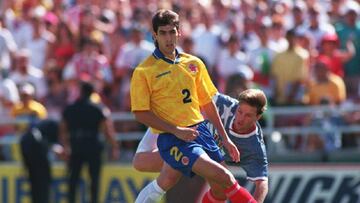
<point>185,160</point>
<point>162,74</point>
<point>193,68</point>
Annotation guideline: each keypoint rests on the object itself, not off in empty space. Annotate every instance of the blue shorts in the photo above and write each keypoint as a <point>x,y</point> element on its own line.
<point>253,158</point>
<point>182,155</point>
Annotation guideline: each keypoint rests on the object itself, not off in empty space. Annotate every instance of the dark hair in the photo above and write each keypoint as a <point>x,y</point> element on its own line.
<point>164,17</point>
<point>255,98</point>
<point>86,89</point>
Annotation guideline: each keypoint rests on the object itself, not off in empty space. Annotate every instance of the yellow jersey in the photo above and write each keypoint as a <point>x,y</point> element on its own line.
<point>172,90</point>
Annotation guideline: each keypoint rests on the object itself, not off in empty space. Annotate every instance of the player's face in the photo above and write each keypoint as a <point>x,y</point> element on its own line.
<point>245,118</point>
<point>167,38</point>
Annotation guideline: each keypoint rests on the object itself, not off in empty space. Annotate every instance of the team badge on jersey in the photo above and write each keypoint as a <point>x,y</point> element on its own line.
<point>185,160</point>
<point>193,68</point>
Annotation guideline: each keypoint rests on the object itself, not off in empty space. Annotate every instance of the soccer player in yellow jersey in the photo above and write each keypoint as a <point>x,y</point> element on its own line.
<point>168,92</point>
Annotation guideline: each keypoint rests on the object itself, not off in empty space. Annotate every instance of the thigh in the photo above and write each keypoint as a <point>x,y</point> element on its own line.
<point>182,155</point>
<point>210,169</point>
<point>179,154</point>
<point>168,177</point>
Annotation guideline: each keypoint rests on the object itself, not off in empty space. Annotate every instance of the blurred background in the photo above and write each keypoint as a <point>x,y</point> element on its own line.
<point>304,54</point>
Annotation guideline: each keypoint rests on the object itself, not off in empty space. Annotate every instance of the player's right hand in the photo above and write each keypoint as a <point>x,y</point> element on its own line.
<point>186,134</point>
<point>232,150</point>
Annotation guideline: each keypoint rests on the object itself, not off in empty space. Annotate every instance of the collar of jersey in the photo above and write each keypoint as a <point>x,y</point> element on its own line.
<point>235,134</point>
<point>158,55</point>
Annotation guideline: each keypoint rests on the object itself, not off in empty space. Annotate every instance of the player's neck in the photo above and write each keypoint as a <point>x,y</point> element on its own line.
<point>243,130</point>
<point>171,56</point>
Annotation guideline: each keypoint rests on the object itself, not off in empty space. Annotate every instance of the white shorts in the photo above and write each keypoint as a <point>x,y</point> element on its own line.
<point>148,143</point>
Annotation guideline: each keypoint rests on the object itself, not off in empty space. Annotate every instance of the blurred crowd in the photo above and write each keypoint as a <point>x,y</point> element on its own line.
<point>300,52</point>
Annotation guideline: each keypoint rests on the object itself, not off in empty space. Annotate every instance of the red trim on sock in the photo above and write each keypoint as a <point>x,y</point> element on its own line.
<point>209,198</point>
<point>232,190</point>
<point>238,194</point>
<point>218,200</point>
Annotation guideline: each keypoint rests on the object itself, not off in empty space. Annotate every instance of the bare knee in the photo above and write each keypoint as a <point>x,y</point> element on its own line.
<point>147,162</point>
<point>167,180</point>
<point>225,178</point>
<point>139,164</point>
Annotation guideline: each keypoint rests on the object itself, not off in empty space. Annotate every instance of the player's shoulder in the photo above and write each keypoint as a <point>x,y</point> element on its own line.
<point>149,62</point>
<point>260,131</point>
<point>190,58</point>
<point>220,98</point>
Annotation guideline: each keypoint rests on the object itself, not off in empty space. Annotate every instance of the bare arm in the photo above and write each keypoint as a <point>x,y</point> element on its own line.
<point>109,132</point>
<point>64,139</point>
<point>213,116</point>
<point>346,55</point>
<point>150,119</point>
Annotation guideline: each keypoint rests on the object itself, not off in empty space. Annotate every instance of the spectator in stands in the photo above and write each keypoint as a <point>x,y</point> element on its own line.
<point>318,26</point>
<point>249,39</point>
<point>7,49</point>
<point>88,64</point>
<point>9,95</point>
<point>238,82</point>
<point>132,53</point>
<point>41,39</point>
<point>17,20</point>
<point>87,18</point>
<point>188,45</point>
<point>206,39</point>
<point>55,98</point>
<point>334,11</point>
<point>22,72</point>
<point>64,46</point>
<point>231,61</point>
<point>329,49</point>
<point>277,40</point>
<point>289,71</point>
<point>299,15</point>
<point>349,30</point>
<point>326,85</point>
<point>260,60</point>
<point>326,89</point>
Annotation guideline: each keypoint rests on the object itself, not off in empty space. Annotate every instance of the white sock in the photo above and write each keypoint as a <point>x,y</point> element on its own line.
<point>151,193</point>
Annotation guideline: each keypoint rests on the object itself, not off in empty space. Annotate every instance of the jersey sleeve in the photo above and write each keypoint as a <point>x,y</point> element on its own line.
<point>139,91</point>
<point>205,87</point>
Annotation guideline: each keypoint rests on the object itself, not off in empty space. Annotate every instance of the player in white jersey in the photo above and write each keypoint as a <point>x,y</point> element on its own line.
<point>239,118</point>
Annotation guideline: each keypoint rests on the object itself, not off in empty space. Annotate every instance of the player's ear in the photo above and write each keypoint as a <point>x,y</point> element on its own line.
<point>258,116</point>
<point>153,35</point>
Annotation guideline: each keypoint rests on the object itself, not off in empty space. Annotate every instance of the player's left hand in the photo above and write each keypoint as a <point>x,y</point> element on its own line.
<point>232,150</point>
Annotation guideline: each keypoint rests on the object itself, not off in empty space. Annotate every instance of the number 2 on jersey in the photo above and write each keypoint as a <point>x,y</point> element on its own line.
<point>187,95</point>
